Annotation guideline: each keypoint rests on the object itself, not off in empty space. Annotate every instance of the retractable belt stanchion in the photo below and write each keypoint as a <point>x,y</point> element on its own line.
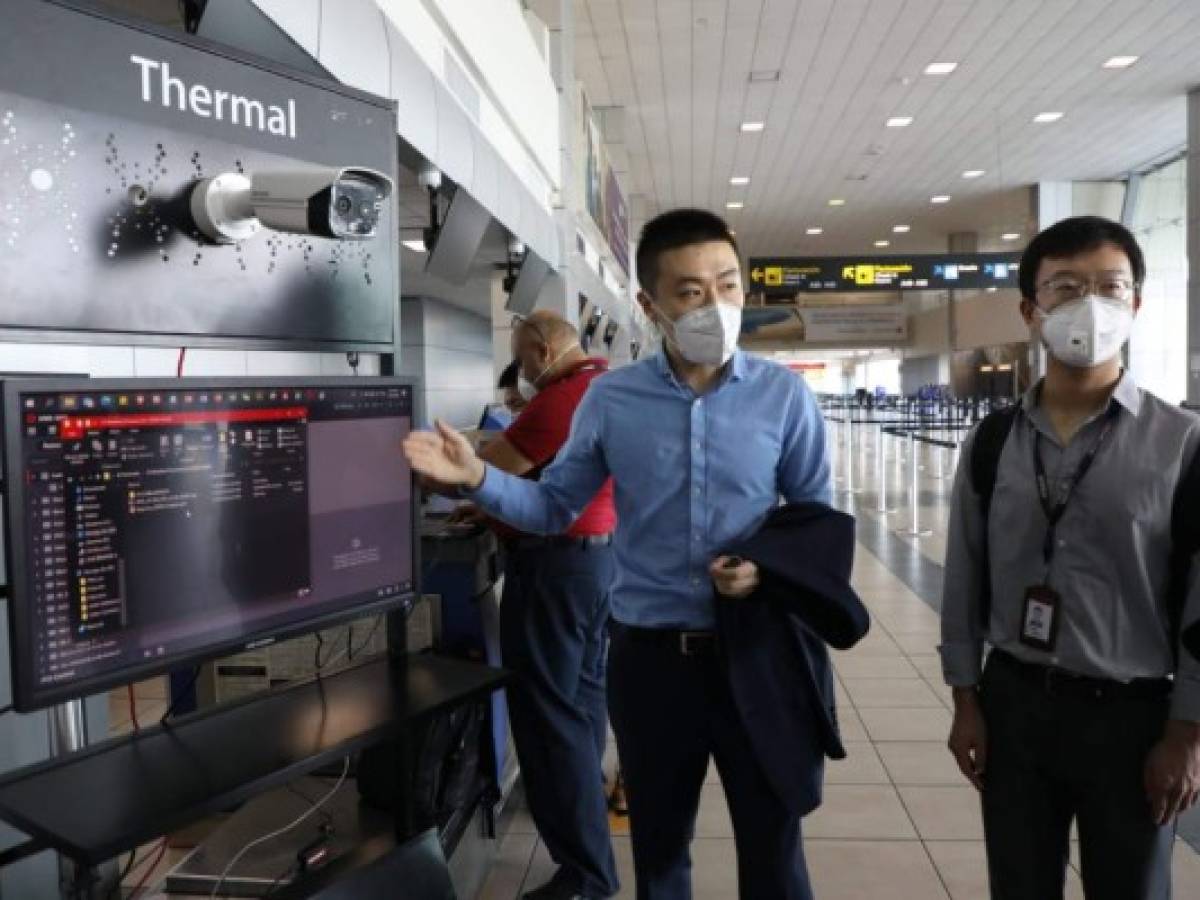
<point>832,444</point>
<point>849,452</point>
<point>915,488</point>
<point>881,471</point>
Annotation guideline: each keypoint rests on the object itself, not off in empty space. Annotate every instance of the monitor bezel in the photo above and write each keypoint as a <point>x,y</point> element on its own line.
<point>26,696</point>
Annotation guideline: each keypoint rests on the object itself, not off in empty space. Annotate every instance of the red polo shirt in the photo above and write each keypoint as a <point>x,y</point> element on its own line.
<point>541,429</point>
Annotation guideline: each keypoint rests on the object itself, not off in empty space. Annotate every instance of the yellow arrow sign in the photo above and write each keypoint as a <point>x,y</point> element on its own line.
<point>756,274</point>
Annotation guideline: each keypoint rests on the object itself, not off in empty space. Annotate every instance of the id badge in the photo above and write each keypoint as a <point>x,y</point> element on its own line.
<point>1039,618</point>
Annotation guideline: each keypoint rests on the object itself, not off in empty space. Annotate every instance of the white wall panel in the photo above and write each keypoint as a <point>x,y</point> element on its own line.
<point>301,19</point>
<point>354,46</point>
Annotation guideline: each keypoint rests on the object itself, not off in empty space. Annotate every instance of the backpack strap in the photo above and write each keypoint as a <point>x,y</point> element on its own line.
<point>1185,542</point>
<point>990,439</point>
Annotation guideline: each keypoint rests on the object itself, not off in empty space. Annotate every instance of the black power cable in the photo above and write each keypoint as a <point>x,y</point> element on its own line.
<point>166,716</point>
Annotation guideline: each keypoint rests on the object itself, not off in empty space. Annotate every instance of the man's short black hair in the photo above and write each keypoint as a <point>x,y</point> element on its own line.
<point>1073,236</point>
<point>672,230</point>
<point>508,378</point>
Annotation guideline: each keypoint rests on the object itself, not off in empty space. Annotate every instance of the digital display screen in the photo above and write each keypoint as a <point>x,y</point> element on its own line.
<point>783,278</point>
<point>152,523</point>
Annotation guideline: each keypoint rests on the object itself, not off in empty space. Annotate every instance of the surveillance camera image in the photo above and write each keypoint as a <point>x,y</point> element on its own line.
<point>110,205</point>
<point>102,168</point>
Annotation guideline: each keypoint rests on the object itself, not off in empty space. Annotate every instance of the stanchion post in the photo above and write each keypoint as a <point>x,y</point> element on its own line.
<point>849,455</point>
<point>915,487</point>
<point>881,472</point>
<point>831,442</point>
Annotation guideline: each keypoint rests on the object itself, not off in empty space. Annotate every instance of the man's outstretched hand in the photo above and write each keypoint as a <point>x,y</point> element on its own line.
<point>444,456</point>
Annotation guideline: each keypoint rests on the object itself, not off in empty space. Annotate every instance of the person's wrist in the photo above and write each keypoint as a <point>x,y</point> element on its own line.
<point>478,474</point>
<point>965,697</point>
<point>1183,732</point>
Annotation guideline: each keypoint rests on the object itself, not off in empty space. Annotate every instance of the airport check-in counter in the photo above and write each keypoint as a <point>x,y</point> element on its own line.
<point>462,583</point>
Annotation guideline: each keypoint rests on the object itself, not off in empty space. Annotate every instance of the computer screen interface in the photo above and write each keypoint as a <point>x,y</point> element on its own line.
<point>151,524</point>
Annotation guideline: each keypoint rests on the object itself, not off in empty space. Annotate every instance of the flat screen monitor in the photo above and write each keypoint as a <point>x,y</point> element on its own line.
<point>457,243</point>
<point>153,523</point>
<point>530,279</point>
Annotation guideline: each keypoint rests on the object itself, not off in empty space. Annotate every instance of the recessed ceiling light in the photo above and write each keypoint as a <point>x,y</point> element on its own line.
<point>1047,117</point>
<point>837,201</point>
<point>1120,62</point>
<point>814,230</point>
<point>415,246</point>
<point>883,243</point>
<point>734,204</point>
<point>940,68</point>
<point>759,76</point>
<point>974,173</point>
<point>739,180</point>
<point>1011,236</point>
<point>899,121</point>
<point>752,126</point>
<point>901,229</point>
<point>940,198</point>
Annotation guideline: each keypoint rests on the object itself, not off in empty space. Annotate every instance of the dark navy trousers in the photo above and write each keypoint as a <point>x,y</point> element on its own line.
<point>670,714</point>
<point>553,636</point>
<point>1054,758</point>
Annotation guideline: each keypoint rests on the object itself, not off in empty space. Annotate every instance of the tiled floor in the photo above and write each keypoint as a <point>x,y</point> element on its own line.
<point>898,820</point>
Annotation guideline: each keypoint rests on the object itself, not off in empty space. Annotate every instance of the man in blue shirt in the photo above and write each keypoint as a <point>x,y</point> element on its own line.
<point>701,441</point>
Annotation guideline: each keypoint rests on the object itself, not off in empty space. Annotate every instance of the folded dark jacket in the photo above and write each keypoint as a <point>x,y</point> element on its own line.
<point>774,645</point>
<point>806,552</point>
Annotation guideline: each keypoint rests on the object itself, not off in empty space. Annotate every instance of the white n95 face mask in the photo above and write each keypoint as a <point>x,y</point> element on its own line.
<point>1087,332</point>
<point>530,389</point>
<point>526,388</point>
<point>707,336</point>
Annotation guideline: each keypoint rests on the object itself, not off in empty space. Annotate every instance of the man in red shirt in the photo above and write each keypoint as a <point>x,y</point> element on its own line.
<point>553,623</point>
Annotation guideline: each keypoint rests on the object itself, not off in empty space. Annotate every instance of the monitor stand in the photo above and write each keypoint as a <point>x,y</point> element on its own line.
<point>68,733</point>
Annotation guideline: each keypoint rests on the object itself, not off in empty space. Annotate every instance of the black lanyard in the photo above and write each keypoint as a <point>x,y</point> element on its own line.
<point>1054,512</point>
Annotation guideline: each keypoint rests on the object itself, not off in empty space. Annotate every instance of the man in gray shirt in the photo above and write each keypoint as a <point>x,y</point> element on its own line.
<point>1082,711</point>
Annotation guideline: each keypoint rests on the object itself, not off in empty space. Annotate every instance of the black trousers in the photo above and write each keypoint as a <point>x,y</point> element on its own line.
<point>1054,758</point>
<point>670,714</point>
<point>553,636</point>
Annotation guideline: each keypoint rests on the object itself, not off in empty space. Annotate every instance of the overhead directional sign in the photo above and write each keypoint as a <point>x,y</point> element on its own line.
<point>781,278</point>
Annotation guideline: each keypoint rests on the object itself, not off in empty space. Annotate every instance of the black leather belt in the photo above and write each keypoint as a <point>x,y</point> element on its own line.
<point>536,542</point>
<point>1055,681</point>
<point>682,641</point>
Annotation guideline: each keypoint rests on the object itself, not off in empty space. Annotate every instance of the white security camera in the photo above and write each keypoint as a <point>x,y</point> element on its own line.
<point>332,202</point>
<point>335,202</point>
<point>429,177</point>
<point>515,247</point>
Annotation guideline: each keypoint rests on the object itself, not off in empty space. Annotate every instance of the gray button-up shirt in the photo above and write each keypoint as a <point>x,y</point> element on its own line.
<point>1110,562</point>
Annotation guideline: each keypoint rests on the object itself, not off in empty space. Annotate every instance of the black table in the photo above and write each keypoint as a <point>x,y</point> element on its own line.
<point>111,798</point>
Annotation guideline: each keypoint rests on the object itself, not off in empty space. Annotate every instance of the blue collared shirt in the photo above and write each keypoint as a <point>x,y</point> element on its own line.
<point>693,474</point>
